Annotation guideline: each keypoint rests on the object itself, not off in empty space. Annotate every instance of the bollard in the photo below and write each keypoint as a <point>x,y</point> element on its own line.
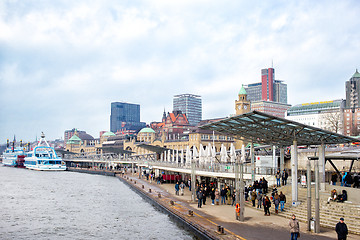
<point>159,195</point>
<point>143,186</point>
<point>171,202</point>
<point>149,190</point>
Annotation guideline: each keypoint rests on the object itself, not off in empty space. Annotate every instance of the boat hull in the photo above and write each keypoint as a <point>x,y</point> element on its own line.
<point>46,168</point>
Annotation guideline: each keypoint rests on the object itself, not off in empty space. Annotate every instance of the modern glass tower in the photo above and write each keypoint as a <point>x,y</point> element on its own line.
<point>189,104</point>
<point>125,116</point>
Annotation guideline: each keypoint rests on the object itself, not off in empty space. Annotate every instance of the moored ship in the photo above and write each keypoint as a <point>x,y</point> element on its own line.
<point>13,156</point>
<point>44,158</point>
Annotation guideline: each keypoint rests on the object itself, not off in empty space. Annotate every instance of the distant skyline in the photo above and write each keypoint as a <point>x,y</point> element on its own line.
<point>62,63</point>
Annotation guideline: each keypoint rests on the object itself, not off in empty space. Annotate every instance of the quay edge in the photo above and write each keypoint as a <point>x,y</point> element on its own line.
<point>196,229</point>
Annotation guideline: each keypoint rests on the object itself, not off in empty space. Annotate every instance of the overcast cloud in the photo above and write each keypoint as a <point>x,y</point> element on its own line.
<point>63,62</point>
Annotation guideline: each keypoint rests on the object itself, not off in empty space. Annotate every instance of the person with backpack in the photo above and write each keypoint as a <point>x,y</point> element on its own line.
<point>276,202</point>
<point>282,201</point>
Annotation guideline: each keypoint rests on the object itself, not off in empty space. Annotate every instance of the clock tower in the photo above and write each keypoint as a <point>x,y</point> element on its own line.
<point>243,104</point>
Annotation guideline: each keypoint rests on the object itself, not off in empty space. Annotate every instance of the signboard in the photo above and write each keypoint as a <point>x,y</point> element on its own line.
<point>303,180</point>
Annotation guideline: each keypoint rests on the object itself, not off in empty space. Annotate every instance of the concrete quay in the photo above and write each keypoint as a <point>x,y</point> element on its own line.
<point>206,219</point>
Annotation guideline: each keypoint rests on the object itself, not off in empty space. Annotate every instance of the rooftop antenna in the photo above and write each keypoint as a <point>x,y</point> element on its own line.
<point>272,63</point>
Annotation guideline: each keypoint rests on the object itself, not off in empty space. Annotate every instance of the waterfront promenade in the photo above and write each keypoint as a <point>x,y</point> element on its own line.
<point>256,225</point>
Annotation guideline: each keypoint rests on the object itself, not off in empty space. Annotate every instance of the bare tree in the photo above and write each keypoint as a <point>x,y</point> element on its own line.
<point>332,121</point>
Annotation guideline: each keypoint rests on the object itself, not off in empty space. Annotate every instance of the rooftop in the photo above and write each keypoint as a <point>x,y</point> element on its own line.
<point>263,128</point>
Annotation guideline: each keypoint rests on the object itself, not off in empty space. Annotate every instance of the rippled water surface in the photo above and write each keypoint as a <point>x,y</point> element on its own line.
<point>68,205</point>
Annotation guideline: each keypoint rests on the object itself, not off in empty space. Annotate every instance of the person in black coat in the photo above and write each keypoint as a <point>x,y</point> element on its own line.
<point>200,196</point>
<point>334,178</point>
<point>341,229</point>
<point>356,181</point>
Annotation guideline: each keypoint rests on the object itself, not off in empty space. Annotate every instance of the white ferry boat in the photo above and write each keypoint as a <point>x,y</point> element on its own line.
<point>13,156</point>
<point>44,158</point>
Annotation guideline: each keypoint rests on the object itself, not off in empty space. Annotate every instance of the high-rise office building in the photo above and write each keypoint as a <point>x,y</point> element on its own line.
<point>353,91</point>
<point>189,104</point>
<point>268,89</point>
<point>125,116</point>
<point>267,84</point>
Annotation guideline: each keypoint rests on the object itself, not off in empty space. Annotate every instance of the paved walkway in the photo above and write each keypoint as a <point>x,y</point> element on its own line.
<point>256,225</point>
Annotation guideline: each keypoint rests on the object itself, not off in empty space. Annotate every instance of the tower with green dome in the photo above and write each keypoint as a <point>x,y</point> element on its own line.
<point>242,105</point>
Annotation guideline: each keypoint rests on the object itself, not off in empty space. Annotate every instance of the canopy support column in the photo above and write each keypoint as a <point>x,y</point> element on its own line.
<point>252,154</point>
<point>282,162</point>
<point>193,180</point>
<point>322,167</point>
<point>275,165</point>
<point>294,169</point>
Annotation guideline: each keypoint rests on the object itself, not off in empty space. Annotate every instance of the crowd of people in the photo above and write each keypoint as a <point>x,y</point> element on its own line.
<point>346,180</point>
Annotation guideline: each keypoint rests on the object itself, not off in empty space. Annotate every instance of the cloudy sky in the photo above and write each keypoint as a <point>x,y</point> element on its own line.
<point>63,62</point>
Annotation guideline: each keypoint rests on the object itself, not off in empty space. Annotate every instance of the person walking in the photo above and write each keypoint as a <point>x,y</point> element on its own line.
<point>284,177</point>
<point>223,195</point>
<point>200,197</point>
<point>177,187</point>
<point>276,202</point>
<point>212,196</point>
<point>294,227</point>
<point>334,178</point>
<point>278,177</point>
<point>217,196</point>
<point>228,196</point>
<point>205,195</point>
<point>282,201</point>
<point>233,196</point>
<point>356,181</point>
<point>267,205</point>
<point>253,197</point>
<point>341,229</point>
<point>259,198</point>
<point>182,188</point>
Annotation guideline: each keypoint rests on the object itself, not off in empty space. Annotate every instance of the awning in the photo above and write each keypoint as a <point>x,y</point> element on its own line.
<point>263,128</point>
<point>152,148</point>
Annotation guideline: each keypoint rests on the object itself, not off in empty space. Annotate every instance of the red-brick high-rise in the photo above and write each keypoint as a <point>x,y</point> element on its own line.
<point>267,84</point>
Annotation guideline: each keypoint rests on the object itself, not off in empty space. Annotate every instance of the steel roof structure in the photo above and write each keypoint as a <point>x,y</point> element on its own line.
<point>346,155</point>
<point>263,128</point>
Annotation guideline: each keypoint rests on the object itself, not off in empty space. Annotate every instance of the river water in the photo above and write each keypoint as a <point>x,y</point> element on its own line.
<point>69,205</point>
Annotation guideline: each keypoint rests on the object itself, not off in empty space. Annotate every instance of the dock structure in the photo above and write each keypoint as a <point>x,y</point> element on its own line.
<point>205,222</point>
<point>253,127</point>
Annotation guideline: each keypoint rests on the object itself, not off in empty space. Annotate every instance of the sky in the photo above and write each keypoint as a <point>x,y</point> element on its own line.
<point>62,63</point>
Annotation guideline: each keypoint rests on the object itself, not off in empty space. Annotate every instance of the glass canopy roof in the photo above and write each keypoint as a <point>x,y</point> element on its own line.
<point>260,127</point>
